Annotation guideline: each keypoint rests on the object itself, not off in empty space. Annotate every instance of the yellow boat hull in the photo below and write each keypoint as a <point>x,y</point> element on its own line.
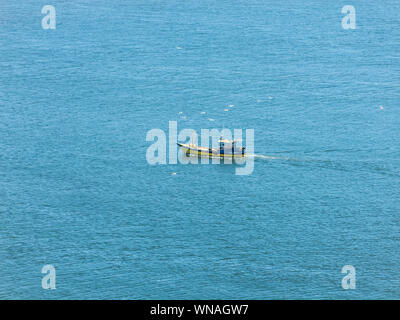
<point>205,153</point>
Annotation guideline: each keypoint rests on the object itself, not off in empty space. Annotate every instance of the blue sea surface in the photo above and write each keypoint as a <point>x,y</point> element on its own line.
<point>77,192</point>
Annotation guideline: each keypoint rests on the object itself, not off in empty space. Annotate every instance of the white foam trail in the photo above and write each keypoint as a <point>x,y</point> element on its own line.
<point>261,156</point>
<point>265,157</point>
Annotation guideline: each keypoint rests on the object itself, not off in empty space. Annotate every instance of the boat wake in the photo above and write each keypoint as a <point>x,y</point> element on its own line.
<point>265,157</point>
<point>361,165</point>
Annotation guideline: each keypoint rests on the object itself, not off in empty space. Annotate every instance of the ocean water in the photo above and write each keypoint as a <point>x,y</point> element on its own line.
<point>77,192</point>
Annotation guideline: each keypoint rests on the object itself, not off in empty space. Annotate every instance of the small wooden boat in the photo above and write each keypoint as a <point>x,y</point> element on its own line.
<point>227,148</point>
